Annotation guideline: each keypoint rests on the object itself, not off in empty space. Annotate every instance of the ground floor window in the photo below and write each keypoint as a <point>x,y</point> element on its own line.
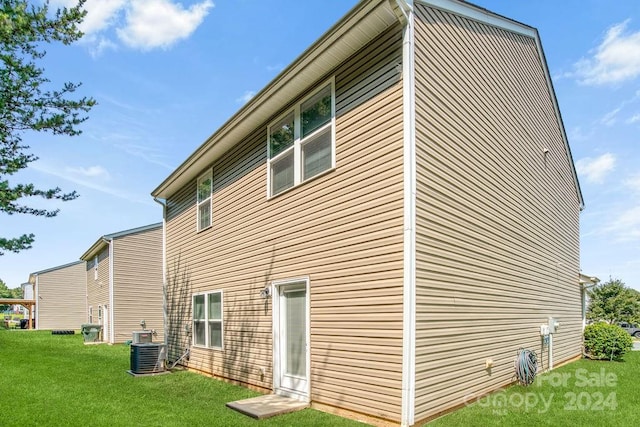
<point>207,319</point>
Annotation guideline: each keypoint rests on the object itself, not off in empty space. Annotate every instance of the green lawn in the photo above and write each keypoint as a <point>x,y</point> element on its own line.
<point>55,380</point>
<point>584,393</point>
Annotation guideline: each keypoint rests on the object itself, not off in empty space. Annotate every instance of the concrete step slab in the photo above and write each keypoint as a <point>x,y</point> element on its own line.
<point>267,406</point>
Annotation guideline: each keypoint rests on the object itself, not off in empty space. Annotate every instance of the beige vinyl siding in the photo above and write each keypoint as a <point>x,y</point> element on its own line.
<point>497,219</point>
<point>98,290</point>
<point>61,298</point>
<point>137,278</point>
<point>343,230</point>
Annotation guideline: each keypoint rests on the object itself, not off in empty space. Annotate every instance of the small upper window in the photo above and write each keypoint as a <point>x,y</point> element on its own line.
<point>301,144</point>
<point>95,268</point>
<point>204,200</point>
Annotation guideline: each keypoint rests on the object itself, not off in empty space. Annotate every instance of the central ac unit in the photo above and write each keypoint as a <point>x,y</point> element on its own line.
<point>147,358</point>
<point>140,337</point>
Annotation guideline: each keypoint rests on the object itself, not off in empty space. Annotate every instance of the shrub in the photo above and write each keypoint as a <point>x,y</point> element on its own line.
<point>605,341</point>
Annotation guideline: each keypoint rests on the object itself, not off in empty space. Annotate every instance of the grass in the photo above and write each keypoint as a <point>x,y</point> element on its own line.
<point>55,380</point>
<point>583,393</point>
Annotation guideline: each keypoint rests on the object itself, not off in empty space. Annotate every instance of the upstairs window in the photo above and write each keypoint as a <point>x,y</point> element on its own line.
<point>207,320</point>
<point>301,143</point>
<point>95,268</point>
<point>204,187</point>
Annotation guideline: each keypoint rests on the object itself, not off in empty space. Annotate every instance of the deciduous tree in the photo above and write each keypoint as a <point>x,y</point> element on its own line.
<point>614,302</point>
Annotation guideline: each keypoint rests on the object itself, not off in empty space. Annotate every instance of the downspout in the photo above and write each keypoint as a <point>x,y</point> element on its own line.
<point>584,288</point>
<point>36,315</point>
<point>163,203</point>
<point>111,299</point>
<point>404,11</point>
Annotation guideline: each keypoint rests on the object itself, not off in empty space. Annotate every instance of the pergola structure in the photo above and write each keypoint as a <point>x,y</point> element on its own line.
<point>29,304</point>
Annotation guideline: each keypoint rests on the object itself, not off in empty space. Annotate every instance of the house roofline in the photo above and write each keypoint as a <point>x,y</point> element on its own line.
<point>47,270</point>
<point>359,26</point>
<point>107,238</point>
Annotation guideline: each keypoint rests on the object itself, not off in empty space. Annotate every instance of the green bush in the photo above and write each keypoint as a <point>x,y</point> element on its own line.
<point>605,341</point>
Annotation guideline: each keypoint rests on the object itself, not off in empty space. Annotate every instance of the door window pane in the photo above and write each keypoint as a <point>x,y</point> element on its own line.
<point>295,333</point>
<point>316,155</point>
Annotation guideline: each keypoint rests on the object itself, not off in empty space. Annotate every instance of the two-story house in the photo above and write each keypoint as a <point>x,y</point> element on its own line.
<point>398,207</point>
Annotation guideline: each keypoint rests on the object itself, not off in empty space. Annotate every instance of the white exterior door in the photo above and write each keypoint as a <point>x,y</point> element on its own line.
<point>291,339</point>
<point>103,316</point>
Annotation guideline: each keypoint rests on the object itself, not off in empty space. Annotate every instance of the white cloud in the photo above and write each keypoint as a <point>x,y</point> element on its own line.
<point>595,170</point>
<point>101,14</point>
<point>626,226</point>
<point>90,172</point>
<point>615,60</point>
<point>633,119</point>
<point>76,176</point>
<point>246,97</point>
<point>160,23</point>
<point>633,182</point>
<point>276,67</point>
<point>139,24</point>
<point>609,119</point>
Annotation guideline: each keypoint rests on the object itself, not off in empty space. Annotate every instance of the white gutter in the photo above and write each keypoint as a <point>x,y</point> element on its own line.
<point>163,203</point>
<point>409,173</point>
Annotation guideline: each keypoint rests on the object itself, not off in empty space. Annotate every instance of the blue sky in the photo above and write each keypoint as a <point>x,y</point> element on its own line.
<point>167,74</point>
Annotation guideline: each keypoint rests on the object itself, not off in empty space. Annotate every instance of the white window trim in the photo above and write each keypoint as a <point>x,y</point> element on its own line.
<point>206,320</point>
<point>297,144</point>
<point>207,174</point>
<point>95,268</point>
<point>90,314</point>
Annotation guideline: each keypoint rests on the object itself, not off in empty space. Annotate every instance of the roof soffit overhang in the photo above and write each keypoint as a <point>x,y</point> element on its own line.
<point>362,24</point>
<point>95,249</point>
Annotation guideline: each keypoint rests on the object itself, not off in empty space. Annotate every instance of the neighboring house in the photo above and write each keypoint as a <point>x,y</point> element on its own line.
<point>60,296</point>
<point>27,294</point>
<point>124,283</point>
<point>406,193</point>
<point>586,282</point>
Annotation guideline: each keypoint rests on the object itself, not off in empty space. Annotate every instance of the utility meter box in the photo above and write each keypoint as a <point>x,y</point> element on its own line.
<point>554,325</point>
<point>544,330</point>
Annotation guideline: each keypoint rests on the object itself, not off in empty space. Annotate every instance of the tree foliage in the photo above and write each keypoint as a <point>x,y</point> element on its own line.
<point>5,292</point>
<point>606,342</point>
<point>28,104</point>
<point>613,302</point>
